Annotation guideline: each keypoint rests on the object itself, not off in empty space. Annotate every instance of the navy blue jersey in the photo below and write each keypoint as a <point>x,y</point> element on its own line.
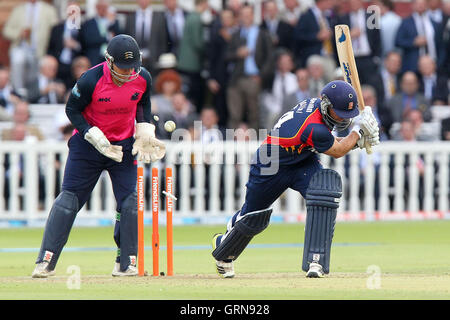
<point>298,134</point>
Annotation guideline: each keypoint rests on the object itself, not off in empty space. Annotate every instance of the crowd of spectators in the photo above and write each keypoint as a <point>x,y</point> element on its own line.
<point>247,74</point>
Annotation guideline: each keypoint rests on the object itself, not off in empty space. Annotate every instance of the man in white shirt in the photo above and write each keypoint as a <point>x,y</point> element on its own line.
<point>284,84</point>
<point>389,23</point>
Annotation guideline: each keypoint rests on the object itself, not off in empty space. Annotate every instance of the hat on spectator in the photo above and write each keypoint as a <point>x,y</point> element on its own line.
<point>167,61</point>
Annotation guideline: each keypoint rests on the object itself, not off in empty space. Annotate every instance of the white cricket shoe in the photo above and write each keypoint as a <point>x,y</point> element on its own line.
<point>224,269</point>
<point>315,271</point>
<point>130,272</point>
<point>41,270</point>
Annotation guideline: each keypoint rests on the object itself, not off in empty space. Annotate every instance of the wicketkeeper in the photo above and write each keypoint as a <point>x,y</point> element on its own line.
<point>110,109</point>
<point>288,159</point>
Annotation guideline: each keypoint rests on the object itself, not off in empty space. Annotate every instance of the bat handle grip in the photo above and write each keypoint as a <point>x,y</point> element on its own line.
<point>368,148</point>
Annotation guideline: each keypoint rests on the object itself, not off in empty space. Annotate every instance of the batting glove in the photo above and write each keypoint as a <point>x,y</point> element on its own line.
<point>96,137</point>
<point>147,147</point>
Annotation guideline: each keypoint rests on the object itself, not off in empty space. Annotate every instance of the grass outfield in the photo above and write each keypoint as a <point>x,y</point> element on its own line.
<point>413,259</point>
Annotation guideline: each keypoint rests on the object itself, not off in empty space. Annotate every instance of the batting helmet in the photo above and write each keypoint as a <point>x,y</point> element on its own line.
<point>341,98</point>
<point>123,51</point>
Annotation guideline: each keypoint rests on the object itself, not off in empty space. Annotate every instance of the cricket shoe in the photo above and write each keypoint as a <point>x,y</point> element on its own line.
<point>315,271</point>
<point>41,270</point>
<point>130,272</point>
<point>224,269</point>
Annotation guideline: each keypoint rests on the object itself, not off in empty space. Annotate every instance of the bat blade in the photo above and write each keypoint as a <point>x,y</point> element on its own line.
<point>348,65</point>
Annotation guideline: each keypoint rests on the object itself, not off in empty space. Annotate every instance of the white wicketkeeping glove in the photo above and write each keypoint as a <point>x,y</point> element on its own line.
<point>147,147</point>
<point>96,137</point>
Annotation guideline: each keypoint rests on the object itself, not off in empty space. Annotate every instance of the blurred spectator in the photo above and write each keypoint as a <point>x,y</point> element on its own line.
<point>281,32</point>
<point>48,89</point>
<point>64,45</point>
<point>435,11</point>
<point>21,130</point>
<point>390,74</point>
<point>418,35</point>
<point>235,6</point>
<point>366,41</point>
<point>284,84</point>
<point>175,19</point>
<point>191,54</point>
<point>386,82</point>
<point>421,132</point>
<point>317,80</point>
<point>250,51</point>
<point>80,65</point>
<point>432,85</point>
<point>96,32</point>
<point>183,114</point>
<point>167,84</point>
<point>389,24</point>
<point>382,115</point>
<point>408,99</point>
<point>148,27</point>
<point>28,28</point>
<point>291,12</point>
<point>445,129</point>
<point>211,131</point>
<point>5,91</point>
<point>300,94</point>
<point>219,72</point>
<point>314,35</point>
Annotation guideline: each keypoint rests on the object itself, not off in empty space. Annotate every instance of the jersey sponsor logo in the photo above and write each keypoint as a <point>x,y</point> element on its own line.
<point>76,91</point>
<point>135,96</point>
<point>104,99</point>
<point>48,256</point>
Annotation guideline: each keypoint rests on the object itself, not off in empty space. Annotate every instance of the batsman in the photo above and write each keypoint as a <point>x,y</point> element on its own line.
<point>288,158</point>
<point>110,109</point>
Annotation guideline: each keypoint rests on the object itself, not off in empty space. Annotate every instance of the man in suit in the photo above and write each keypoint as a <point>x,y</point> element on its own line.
<point>432,84</point>
<point>175,19</point>
<point>386,82</point>
<point>95,33</point>
<point>28,28</point>
<point>408,99</point>
<point>314,35</point>
<point>149,29</point>
<point>366,41</point>
<point>419,35</point>
<point>280,31</point>
<point>250,53</point>
<point>191,54</point>
<point>64,46</point>
<point>218,67</point>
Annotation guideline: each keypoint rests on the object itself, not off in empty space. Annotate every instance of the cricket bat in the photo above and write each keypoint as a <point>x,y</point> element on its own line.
<point>348,65</point>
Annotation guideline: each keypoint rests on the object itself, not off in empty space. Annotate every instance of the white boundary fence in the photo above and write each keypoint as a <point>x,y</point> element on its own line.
<point>210,183</point>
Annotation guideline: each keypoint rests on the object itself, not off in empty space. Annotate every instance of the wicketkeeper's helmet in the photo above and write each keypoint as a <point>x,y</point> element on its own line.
<point>123,51</point>
<point>341,97</point>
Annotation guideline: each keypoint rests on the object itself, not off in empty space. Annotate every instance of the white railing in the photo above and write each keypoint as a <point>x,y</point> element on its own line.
<point>210,182</point>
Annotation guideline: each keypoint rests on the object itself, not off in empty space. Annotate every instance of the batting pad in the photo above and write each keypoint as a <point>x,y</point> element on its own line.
<point>322,201</point>
<point>128,230</point>
<point>58,226</point>
<point>237,239</point>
